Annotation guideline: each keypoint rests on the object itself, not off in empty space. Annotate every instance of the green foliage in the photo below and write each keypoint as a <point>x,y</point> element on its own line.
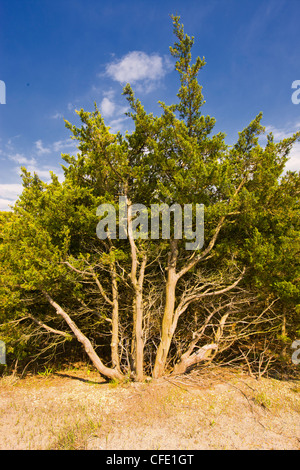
<point>173,157</point>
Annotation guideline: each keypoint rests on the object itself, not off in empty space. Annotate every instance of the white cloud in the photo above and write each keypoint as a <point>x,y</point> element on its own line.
<point>43,171</point>
<point>293,164</point>
<point>41,150</point>
<point>65,144</point>
<point>282,133</point>
<point>110,108</point>
<point>21,159</point>
<point>277,133</point>
<point>107,107</point>
<point>116,125</point>
<point>57,116</point>
<point>34,165</point>
<point>138,66</point>
<point>72,107</point>
<point>9,193</point>
<point>112,112</point>
<point>5,204</point>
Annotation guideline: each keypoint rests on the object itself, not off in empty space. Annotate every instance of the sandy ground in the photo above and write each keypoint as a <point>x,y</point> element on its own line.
<point>207,410</point>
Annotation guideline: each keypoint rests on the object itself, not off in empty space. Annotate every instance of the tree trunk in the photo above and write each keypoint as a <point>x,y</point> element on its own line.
<point>137,278</point>
<point>106,371</point>
<point>138,329</point>
<point>189,358</point>
<point>167,323</point>
<point>193,359</point>
<point>115,321</point>
<point>283,332</point>
<point>138,341</point>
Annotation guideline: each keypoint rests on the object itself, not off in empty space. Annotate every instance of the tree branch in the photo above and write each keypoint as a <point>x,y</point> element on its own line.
<point>106,371</point>
<point>49,329</point>
<point>92,274</point>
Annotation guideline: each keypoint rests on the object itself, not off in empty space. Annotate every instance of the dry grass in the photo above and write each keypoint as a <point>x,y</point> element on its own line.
<point>212,409</point>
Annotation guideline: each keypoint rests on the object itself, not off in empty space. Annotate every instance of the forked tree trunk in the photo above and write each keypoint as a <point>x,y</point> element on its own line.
<point>138,341</point>
<point>114,303</point>
<point>193,359</point>
<point>190,358</point>
<point>170,317</point>
<point>167,322</point>
<point>166,329</point>
<point>137,278</point>
<point>106,371</point>
<point>114,345</point>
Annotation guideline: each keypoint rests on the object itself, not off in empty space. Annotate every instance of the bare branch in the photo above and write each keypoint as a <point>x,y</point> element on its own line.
<point>186,301</point>
<point>49,328</point>
<point>92,274</point>
<point>195,259</point>
<point>106,371</point>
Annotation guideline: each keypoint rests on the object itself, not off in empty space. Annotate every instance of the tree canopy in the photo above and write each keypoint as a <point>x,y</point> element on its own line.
<point>150,306</point>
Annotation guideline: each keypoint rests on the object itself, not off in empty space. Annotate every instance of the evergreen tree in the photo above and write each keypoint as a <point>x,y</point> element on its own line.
<point>157,301</point>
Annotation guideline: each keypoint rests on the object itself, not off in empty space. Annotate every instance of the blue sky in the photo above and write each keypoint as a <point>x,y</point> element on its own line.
<point>58,56</point>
